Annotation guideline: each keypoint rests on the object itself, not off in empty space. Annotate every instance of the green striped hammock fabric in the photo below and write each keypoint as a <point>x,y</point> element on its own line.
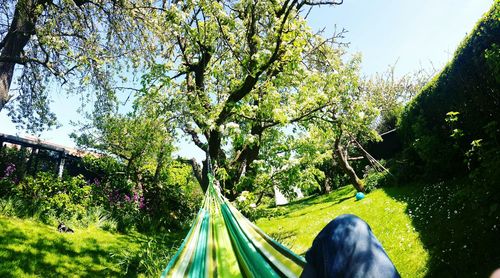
<point>223,243</point>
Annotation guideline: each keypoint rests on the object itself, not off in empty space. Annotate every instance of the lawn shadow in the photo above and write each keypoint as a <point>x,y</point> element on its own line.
<point>455,224</point>
<point>44,255</point>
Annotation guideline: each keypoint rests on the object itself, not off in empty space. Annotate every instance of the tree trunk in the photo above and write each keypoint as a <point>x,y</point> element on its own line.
<point>200,172</point>
<point>160,161</point>
<point>21,29</point>
<point>342,159</point>
<point>327,188</point>
<point>247,156</point>
<point>6,72</point>
<point>204,176</point>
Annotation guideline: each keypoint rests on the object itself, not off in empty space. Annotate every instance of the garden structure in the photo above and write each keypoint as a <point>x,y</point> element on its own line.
<point>61,154</point>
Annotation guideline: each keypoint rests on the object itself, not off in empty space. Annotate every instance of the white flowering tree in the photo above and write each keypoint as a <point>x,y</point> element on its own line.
<point>238,69</point>
<point>346,120</point>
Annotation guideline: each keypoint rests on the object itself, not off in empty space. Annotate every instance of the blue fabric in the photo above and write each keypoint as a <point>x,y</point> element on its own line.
<point>347,247</point>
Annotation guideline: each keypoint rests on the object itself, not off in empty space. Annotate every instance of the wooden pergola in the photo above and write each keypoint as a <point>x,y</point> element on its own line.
<point>36,144</point>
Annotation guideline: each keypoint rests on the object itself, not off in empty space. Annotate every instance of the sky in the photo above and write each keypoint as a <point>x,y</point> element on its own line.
<point>416,34</point>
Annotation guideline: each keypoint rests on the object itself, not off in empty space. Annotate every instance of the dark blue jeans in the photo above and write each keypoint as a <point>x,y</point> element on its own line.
<point>347,247</point>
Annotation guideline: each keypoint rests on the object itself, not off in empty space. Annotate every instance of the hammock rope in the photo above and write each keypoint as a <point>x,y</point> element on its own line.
<point>223,243</point>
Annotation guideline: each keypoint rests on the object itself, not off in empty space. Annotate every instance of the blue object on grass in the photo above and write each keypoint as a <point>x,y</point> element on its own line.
<point>359,196</point>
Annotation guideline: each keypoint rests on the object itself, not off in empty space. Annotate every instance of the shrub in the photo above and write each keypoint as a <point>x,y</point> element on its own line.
<point>168,206</point>
<point>373,179</point>
<point>63,199</point>
<point>12,163</point>
<point>6,187</point>
<point>106,197</point>
<point>468,85</point>
<point>376,180</point>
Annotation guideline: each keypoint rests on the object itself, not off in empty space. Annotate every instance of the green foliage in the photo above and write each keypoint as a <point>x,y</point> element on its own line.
<point>492,57</point>
<point>6,187</point>
<point>103,166</point>
<point>106,198</point>
<point>12,164</point>
<point>468,86</point>
<point>374,179</point>
<point>168,207</point>
<point>88,47</point>
<point>62,199</point>
<point>151,259</point>
<point>389,93</point>
<point>147,204</point>
<point>246,204</point>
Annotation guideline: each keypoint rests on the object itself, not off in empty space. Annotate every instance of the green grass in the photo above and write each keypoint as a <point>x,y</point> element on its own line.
<point>31,249</point>
<point>442,230</point>
<point>303,220</point>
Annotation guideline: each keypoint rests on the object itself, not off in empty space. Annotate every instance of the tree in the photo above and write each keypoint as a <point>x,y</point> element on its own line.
<point>281,165</point>
<point>389,93</point>
<point>142,139</point>
<point>237,71</point>
<point>347,114</point>
<point>76,43</point>
<point>363,108</point>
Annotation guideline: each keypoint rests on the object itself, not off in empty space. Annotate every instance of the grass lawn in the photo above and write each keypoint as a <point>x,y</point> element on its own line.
<point>31,249</point>
<point>442,230</point>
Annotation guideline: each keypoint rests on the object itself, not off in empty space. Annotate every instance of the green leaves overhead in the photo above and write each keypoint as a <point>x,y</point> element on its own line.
<point>241,72</point>
<point>83,47</point>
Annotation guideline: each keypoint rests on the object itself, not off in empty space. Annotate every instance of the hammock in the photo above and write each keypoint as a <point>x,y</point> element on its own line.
<point>223,243</point>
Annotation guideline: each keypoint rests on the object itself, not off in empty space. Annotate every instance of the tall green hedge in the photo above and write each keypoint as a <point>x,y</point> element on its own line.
<point>469,84</point>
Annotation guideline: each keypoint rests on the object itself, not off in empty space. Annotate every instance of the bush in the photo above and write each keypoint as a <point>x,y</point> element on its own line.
<point>173,201</point>
<point>374,179</point>
<point>106,197</point>
<point>62,199</point>
<point>12,163</point>
<point>6,187</point>
<point>468,85</point>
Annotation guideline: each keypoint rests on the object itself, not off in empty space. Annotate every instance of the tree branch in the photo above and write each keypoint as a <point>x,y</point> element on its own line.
<point>322,2</point>
<point>195,138</point>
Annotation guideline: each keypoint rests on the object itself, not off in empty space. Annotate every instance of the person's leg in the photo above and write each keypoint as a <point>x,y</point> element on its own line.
<point>347,247</point>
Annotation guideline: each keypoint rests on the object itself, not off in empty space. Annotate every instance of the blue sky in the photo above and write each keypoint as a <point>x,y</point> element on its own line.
<point>416,34</point>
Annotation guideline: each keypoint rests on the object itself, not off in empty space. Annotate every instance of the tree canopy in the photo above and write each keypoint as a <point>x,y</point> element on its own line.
<point>249,82</point>
<point>238,69</point>
<point>85,46</point>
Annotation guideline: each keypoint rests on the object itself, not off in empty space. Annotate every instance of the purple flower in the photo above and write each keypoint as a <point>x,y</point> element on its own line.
<point>97,182</point>
<point>141,203</point>
<point>136,197</point>
<point>127,198</point>
<point>9,169</point>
